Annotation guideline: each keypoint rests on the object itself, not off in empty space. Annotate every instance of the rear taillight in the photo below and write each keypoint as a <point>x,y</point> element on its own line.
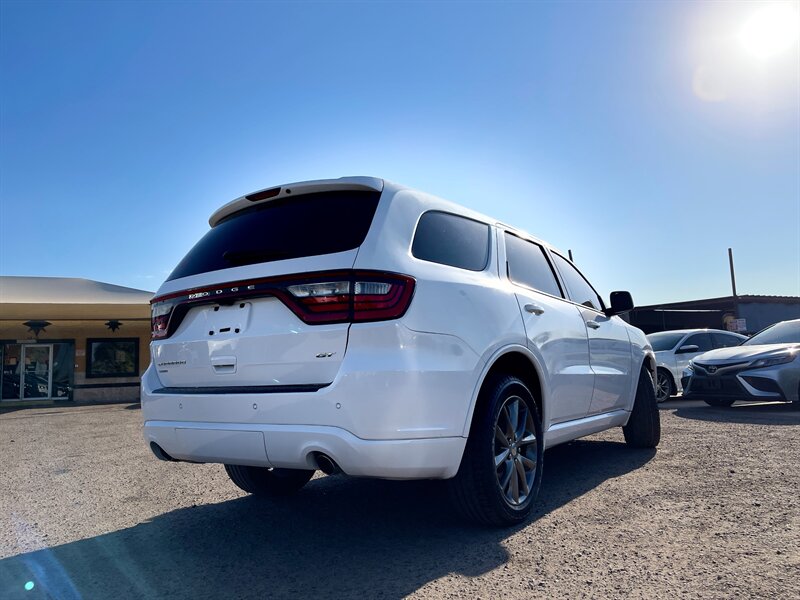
<point>316,298</point>
<point>366,296</point>
<point>160,313</point>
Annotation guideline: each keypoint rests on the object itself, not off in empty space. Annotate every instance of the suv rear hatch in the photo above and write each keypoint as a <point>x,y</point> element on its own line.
<point>264,300</point>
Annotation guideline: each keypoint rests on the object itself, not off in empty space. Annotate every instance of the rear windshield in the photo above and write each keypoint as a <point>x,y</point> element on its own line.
<point>307,225</point>
<point>665,340</point>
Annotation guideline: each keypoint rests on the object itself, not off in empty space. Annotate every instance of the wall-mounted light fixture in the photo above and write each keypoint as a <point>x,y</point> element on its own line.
<point>36,327</point>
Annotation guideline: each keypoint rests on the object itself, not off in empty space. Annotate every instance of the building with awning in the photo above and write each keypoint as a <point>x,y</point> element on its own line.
<point>71,339</point>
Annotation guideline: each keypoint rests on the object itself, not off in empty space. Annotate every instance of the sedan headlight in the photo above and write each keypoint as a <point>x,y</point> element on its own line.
<point>773,360</point>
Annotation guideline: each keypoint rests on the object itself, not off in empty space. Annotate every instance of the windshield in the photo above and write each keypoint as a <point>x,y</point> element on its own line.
<point>787,332</point>
<point>666,340</point>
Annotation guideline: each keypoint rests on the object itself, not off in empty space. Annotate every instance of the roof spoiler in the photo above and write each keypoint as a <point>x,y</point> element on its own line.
<point>296,189</point>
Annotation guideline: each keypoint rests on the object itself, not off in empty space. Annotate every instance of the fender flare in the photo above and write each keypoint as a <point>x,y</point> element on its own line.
<point>490,362</point>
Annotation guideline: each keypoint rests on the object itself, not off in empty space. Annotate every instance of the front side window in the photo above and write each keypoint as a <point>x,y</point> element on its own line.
<point>701,340</point>
<point>580,291</point>
<point>451,240</point>
<point>118,357</point>
<point>527,265</point>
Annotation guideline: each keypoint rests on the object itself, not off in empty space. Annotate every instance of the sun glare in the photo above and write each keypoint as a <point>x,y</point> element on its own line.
<point>771,31</point>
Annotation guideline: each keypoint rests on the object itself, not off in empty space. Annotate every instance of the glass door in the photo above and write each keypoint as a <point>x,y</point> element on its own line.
<point>37,372</point>
<point>12,372</point>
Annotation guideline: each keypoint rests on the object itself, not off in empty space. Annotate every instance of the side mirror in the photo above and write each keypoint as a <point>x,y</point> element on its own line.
<point>688,349</point>
<point>621,302</point>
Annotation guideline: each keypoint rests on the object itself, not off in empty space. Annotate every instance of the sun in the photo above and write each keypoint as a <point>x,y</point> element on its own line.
<point>771,30</point>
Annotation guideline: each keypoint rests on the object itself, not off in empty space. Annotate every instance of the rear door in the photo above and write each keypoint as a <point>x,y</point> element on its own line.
<point>609,344</point>
<point>554,329</point>
<point>261,299</point>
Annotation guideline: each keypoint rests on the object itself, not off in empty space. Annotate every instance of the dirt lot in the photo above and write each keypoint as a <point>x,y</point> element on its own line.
<point>714,513</point>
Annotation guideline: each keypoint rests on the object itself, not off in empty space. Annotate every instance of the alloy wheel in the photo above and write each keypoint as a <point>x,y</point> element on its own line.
<point>515,450</point>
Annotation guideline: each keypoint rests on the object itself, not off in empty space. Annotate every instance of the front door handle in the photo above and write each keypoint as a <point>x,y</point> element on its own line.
<point>593,324</point>
<point>534,308</point>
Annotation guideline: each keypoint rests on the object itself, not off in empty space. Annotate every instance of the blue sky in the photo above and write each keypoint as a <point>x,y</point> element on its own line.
<point>640,135</point>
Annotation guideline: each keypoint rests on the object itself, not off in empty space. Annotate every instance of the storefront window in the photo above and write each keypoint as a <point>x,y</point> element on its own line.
<point>118,357</point>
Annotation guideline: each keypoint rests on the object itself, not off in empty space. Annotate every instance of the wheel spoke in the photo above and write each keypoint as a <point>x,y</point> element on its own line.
<point>514,484</point>
<point>527,462</point>
<point>522,420</point>
<point>498,459</point>
<point>507,476</point>
<point>528,439</point>
<point>514,415</point>
<point>500,437</point>
<point>522,477</point>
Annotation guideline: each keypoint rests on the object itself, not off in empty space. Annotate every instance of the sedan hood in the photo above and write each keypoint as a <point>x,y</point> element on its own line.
<point>744,353</point>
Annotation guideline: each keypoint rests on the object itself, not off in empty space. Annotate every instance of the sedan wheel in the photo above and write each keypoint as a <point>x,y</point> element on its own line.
<point>663,386</point>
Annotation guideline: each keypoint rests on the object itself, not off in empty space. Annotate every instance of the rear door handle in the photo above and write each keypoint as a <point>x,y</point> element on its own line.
<point>534,308</point>
<point>593,324</point>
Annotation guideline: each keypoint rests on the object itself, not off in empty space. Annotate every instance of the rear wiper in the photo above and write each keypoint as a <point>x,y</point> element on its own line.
<point>248,257</point>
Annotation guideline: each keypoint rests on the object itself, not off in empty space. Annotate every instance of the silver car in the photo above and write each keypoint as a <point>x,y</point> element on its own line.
<point>674,349</point>
<point>765,367</point>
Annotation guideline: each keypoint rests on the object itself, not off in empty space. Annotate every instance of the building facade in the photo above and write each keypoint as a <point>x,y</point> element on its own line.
<point>746,314</point>
<point>65,339</point>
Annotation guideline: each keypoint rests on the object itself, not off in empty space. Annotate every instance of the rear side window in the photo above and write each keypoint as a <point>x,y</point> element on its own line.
<point>451,240</point>
<point>307,225</point>
<point>527,265</point>
<point>579,289</point>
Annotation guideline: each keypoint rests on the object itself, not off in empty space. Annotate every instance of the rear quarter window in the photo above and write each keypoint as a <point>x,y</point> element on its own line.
<point>451,240</point>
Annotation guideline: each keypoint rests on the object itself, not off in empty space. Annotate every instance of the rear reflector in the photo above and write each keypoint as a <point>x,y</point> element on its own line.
<point>316,298</point>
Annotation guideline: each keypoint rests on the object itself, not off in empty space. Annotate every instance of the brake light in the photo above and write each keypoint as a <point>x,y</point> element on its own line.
<point>316,298</point>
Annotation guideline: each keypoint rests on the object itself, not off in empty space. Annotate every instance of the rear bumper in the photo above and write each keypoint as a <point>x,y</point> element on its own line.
<point>295,447</point>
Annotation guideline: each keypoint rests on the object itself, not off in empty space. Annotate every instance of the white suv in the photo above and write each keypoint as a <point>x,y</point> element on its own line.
<point>356,325</point>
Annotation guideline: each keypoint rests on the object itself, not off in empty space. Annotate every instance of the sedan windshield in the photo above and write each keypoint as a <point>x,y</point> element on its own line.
<point>787,332</point>
<point>666,340</point>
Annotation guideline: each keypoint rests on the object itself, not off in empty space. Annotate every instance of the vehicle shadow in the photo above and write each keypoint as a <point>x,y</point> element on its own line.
<point>762,413</point>
<point>337,538</point>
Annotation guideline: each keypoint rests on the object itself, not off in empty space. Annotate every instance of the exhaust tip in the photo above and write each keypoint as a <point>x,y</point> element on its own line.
<point>326,464</point>
<point>160,454</point>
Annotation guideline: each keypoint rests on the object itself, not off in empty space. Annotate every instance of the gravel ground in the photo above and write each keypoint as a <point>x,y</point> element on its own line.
<point>88,512</point>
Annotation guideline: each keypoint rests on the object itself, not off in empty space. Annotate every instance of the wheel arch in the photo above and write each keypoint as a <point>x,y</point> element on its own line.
<point>512,360</point>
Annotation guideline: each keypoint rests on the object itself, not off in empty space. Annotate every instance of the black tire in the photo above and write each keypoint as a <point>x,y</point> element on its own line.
<point>478,490</point>
<point>644,425</point>
<point>665,387</point>
<point>263,481</point>
<point>719,402</point>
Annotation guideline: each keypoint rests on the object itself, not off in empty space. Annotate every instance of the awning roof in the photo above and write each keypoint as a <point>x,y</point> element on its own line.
<point>69,298</point>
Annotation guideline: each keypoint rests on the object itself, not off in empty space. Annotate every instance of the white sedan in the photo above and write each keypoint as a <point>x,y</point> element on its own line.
<point>674,350</point>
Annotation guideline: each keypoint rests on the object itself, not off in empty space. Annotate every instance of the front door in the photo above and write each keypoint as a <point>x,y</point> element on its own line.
<point>36,372</point>
<point>612,363</point>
